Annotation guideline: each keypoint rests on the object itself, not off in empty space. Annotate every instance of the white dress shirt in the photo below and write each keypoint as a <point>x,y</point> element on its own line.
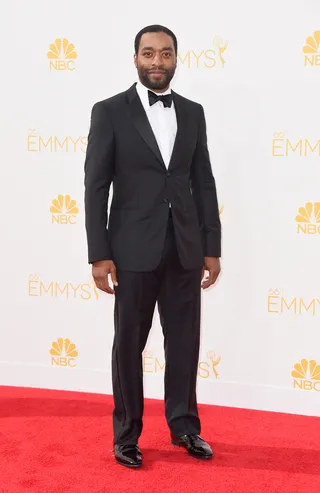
<point>163,121</point>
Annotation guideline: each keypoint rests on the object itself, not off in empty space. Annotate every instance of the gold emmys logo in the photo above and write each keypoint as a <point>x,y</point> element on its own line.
<point>221,209</point>
<point>150,363</point>
<point>63,353</point>
<point>64,210</point>
<point>67,290</point>
<point>296,306</point>
<point>62,55</point>
<point>209,58</point>
<point>206,369</point>
<point>283,147</point>
<point>308,219</point>
<point>37,143</point>
<point>312,50</point>
<point>306,375</point>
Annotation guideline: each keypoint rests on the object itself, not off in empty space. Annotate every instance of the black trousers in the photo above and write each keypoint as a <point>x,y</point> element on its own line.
<point>177,292</point>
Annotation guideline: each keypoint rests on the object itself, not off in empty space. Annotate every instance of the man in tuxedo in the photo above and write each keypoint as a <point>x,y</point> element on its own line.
<point>163,233</point>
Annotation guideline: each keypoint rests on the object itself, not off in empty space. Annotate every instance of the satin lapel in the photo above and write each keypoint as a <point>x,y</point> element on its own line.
<point>141,122</point>
<point>182,127</point>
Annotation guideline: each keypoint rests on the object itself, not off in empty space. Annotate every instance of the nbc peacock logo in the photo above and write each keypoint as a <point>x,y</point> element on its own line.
<point>62,55</point>
<point>311,50</point>
<point>63,353</point>
<point>306,375</point>
<point>64,210</point>
<point>308,219</point>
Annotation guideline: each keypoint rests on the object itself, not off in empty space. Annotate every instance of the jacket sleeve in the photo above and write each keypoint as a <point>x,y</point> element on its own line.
<point>204,192</point>
<point>98,170</point>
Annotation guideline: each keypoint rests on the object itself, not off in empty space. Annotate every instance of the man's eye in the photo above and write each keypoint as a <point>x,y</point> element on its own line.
<point>167,54</point>
<point>147,53</point>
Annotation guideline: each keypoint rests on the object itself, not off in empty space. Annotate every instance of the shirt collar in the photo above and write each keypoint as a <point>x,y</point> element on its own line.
<point>143,93</point>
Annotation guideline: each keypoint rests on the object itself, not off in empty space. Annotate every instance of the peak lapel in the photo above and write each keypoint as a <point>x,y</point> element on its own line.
<point>182,126</point>
<point>141,122</point>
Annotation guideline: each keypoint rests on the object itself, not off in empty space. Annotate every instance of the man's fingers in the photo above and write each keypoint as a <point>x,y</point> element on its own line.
<point>103,284</point>
<point>211,279</point>
<point>100,273</point>
<point>205,284</point>
<point>113,273</point>
<point>214,276</point>
<point>100,286</point>
<point>106,285</point>
<point>208,280</point>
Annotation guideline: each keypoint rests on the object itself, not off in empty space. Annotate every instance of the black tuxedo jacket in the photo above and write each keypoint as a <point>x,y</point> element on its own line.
<point>122,150</point>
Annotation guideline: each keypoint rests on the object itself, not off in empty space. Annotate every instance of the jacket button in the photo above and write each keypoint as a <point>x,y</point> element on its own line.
<point>165,200</point>
<point>168,173</point>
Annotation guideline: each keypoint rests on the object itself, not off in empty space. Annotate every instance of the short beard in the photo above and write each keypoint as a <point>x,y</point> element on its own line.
<point>156,85</point>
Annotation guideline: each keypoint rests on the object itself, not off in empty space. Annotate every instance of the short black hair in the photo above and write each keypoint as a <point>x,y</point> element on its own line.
<point>155,28</point>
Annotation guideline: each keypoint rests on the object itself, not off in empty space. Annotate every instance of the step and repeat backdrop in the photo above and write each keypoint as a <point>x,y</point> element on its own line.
<point>256,71</point>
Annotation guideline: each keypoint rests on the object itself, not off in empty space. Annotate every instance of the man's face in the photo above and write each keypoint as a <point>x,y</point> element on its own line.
<point>156,60</point>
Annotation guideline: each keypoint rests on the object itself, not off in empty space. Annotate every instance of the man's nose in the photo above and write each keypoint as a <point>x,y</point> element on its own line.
<point>156,59</point>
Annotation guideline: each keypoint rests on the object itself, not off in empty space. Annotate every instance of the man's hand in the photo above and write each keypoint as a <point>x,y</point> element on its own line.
<point>211,264</point>
<point>100,271</point>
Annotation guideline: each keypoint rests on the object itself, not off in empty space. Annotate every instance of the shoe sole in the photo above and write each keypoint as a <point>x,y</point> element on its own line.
<point>132,466</point>
<point>203,457</point>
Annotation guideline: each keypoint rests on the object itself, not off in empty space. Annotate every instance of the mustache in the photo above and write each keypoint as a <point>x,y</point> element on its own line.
<point>157,69</point>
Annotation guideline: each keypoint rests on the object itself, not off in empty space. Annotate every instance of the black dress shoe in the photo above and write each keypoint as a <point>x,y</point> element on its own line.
<point>195,446</point>
<point>128,455</point>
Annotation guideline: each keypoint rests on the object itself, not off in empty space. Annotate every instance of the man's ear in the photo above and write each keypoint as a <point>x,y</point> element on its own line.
<point>135,59</point>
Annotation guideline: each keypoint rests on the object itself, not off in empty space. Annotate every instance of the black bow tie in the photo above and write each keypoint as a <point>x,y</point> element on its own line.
<point>166,100</point>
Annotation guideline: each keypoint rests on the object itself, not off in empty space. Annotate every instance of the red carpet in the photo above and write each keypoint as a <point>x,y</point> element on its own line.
<point>60,442</point>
